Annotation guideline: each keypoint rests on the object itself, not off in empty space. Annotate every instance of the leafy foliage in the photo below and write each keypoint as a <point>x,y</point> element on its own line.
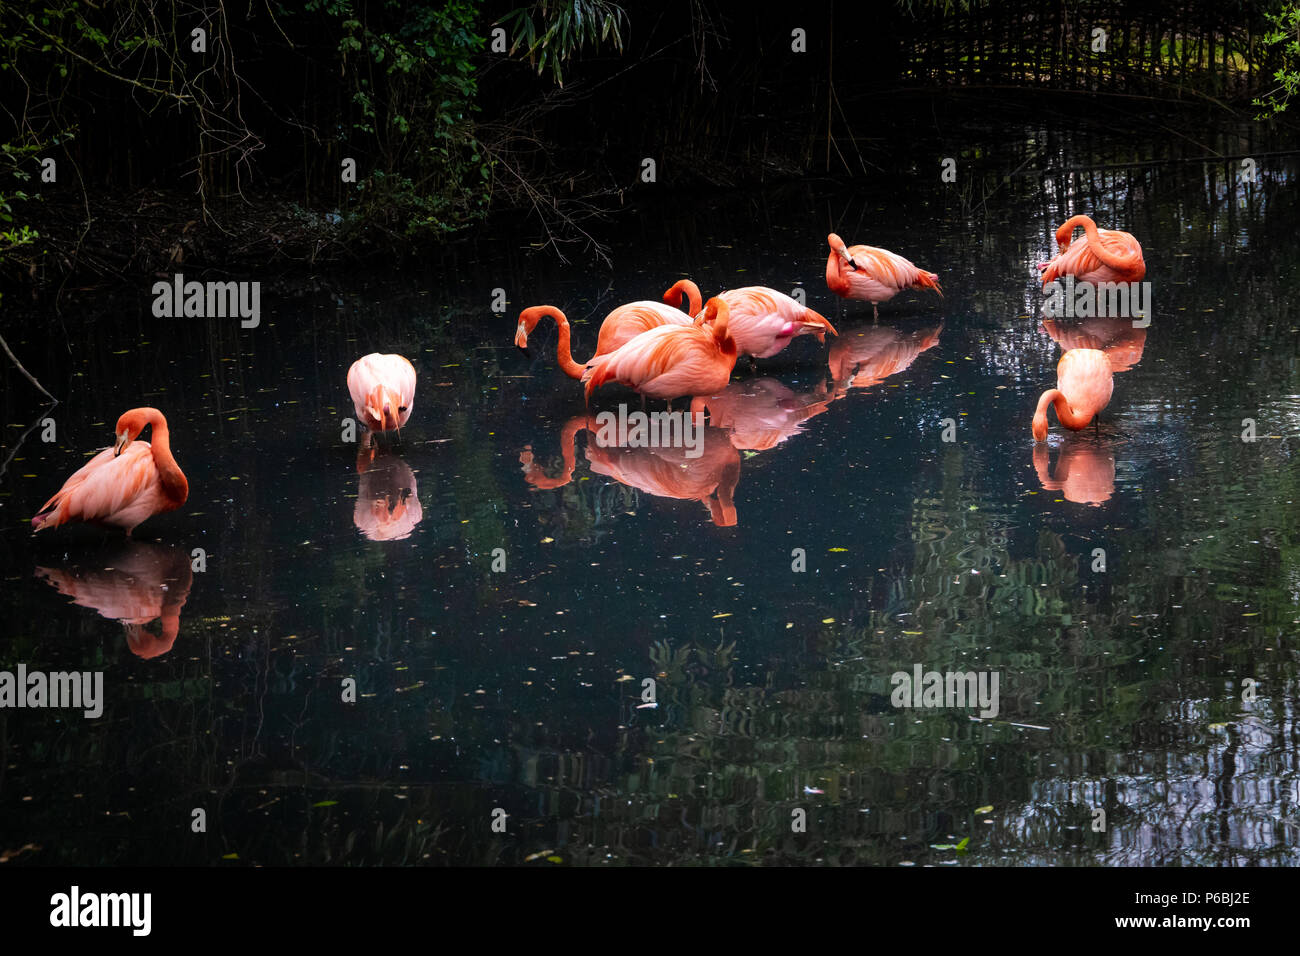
<point>412,88</point>
<point>1284,35</point>
<point>551,33</point>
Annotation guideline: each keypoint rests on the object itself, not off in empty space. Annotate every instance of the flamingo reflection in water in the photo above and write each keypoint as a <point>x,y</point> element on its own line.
<point>672,472</point>
<point>1084,472</point>
<point>388,501</point>
<point>1115,337</point>
<point>761,413</point>
<point>868,354</point>
<point>137,583</point>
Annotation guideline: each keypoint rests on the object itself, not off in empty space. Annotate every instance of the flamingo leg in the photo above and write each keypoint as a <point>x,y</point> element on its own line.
<point>875,312</point>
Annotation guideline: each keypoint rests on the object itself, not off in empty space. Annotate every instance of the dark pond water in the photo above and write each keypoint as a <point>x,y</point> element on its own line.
<point>517,690</point>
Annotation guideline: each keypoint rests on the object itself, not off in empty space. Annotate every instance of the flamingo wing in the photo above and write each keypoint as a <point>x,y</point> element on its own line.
<point>119,490</point>
<point>628,321</point>
<point>663,362</point>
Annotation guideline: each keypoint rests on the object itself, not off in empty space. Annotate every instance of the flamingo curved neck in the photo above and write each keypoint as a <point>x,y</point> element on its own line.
<point>688,289</point>
<point>1065,414</point>
<point>174,483</point>
<point>562,350</point>
<point>836,280</point>
<point>534,474</point>
<point>1100,248</point>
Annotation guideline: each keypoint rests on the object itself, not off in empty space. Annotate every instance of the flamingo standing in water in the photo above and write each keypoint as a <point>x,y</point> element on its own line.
<point>620,327</point>
<point>1105,255</point>
<point>383,391</point>
<point>122,485</point>
<point>761,320</point>
<point>874,275</point>
<point>1084,382</point>
<point>671,360</point>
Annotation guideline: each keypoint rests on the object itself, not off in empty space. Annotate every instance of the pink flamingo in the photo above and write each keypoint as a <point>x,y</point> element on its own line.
<point>1084,383</point>
<point>761,320</point>
<point>1105,255</point>
<point>383,391</point>
<point>871,274</point>
<point>621,326</point>
<point>122,485</point>
<point>671,360</point>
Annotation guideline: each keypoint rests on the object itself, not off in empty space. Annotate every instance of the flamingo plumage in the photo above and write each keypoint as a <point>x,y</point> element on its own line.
<point>671,360</point>
<point>123,485</point>
<point>621,326</point>
<point>383,391</point>
<point>762,321</point>
<point>1104,255</point>
<point>1084,383</point>
<point>871,274</point>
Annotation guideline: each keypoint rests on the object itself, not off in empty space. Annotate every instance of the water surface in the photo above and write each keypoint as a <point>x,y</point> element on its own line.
<point>482,690</point>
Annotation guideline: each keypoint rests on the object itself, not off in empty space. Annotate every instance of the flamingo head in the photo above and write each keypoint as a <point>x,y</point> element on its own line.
<point>1039,426</point>
<point>384,406</point>
<point>1065,233</point>
<point>129,427</point>
<point>529,318</point>
<point>814,323</point>
<point>837,245</point>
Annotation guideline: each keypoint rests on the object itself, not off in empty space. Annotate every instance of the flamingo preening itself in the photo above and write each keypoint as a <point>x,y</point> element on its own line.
<point>383,391</point>
<point>671,360</point>
<point>1104,255</point>
<point>122,485</point>
<point>620,327</point>
<point>763,321</point>
<point>1084,383</point>
<point>871,274</point>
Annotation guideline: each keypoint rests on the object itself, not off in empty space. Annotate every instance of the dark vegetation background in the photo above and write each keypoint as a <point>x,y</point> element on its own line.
<point>231,157</point>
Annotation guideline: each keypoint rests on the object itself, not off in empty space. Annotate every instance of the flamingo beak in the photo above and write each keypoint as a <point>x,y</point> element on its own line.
<point>123,439</point>
<point>521,337</point>
<point>848,258</point>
